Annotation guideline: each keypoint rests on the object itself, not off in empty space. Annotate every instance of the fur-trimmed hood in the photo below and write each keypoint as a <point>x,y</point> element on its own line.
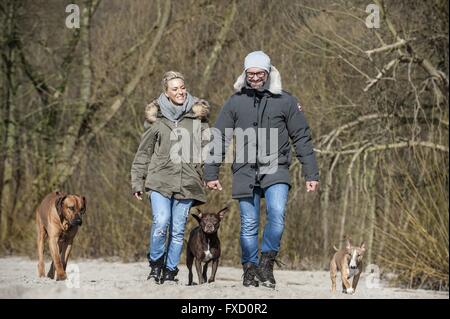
<point>200,110</point>
<point>274,81</point>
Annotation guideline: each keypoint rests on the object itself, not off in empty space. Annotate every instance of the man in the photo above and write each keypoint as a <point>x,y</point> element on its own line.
<point>260,105</point>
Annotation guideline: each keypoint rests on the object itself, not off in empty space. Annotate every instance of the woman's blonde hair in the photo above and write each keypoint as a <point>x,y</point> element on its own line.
<point>170,75</point>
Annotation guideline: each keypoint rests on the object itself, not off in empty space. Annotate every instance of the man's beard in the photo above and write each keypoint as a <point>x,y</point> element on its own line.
<point>257,85</point>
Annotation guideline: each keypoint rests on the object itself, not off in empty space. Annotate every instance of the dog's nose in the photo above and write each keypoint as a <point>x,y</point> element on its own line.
<point>76,222</point>
<point>353,267</point>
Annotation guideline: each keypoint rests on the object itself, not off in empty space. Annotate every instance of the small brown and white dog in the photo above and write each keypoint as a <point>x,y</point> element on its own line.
<point>348,261</point>
<point>58,218</point>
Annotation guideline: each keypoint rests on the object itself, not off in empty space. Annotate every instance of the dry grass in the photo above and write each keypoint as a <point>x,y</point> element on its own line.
<point>417,236</point>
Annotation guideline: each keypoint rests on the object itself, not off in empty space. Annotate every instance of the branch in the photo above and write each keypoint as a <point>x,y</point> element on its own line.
<point>432,71</point>
<point>116,62</point>
<point>39,82</point>
<point>217,47</point>
<point>141,42</point>
<point>355,157</point>
<point>383,147</point>
<point>94,6</point>
<point>117,103</point>
<point>67,62</point>
<point>424,63</point>
<point>141,71</point>
<point>354,67</point>
<point>380,75</point>
<point>329,138</point>
<point>389,47</point>
<point>388,21</point>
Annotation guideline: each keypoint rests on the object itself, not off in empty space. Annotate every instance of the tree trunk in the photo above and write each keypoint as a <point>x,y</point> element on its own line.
<point>67,143</point>
<point>10,128</point>
<point>371,211</point>
<point>326,207</point>
<point>70,161</point>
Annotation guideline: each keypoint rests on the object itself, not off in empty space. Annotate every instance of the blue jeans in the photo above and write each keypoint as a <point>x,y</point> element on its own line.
<point>168,213</point>
<point>276,199</point>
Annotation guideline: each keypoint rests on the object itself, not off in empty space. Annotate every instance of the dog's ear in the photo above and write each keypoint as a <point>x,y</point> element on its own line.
<point>83,205</point>
<point>363,246</point>
<point>59,203</point>
<point>198,218</point>
<point>199,212</point>
<point>348,244</point>
<point>221,213</point>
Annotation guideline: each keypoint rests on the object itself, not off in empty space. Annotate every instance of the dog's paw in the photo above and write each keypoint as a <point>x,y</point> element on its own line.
<point>60,277</point>
<point>65,225</point>
<point>350,291</point>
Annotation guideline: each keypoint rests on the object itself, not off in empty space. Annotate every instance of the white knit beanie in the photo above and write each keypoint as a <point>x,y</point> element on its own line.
<point>257,59</point>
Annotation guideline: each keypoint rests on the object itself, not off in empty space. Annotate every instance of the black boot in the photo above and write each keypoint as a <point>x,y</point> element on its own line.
<point>249,275</point>
<point>169,275</point>
<point>265,269</point>
<point>157,267</point>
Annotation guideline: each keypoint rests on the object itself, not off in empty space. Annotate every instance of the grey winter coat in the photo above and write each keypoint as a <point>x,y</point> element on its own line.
<point>269,108</point>
<point>154,169</point>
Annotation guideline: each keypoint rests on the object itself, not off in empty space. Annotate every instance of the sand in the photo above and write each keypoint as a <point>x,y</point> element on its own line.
<point>97,278</point>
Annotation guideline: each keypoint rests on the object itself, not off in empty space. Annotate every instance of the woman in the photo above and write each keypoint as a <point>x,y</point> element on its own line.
<point>175,184</point>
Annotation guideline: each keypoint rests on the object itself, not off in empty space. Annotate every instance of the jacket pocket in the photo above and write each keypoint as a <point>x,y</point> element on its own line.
<point>157,163</point>
<point>237,166</point>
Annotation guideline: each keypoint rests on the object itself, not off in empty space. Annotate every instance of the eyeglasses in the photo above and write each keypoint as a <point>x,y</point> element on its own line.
<point>261,74</point>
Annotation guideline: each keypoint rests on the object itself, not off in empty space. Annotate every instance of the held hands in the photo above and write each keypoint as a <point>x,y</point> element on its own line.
<point>312,186</point>
<point>214,185</point>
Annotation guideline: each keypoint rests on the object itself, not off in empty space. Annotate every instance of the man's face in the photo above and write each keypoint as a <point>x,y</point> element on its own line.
<point>256,77</point>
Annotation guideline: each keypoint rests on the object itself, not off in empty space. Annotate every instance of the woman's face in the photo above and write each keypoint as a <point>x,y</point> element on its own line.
<point>176,91</point>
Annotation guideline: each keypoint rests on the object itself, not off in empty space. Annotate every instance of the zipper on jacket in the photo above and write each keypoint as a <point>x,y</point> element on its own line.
<point>257,105</point>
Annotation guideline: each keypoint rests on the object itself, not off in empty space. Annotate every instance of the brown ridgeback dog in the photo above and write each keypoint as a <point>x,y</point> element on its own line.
<point>58,217</point>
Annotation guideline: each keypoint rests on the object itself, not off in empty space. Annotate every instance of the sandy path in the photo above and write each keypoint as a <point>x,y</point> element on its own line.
<point>102,279</point>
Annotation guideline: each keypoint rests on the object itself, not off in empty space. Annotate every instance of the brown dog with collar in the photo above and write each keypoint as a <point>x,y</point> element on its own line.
<point>348,261</point>
<point>58,218</point>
